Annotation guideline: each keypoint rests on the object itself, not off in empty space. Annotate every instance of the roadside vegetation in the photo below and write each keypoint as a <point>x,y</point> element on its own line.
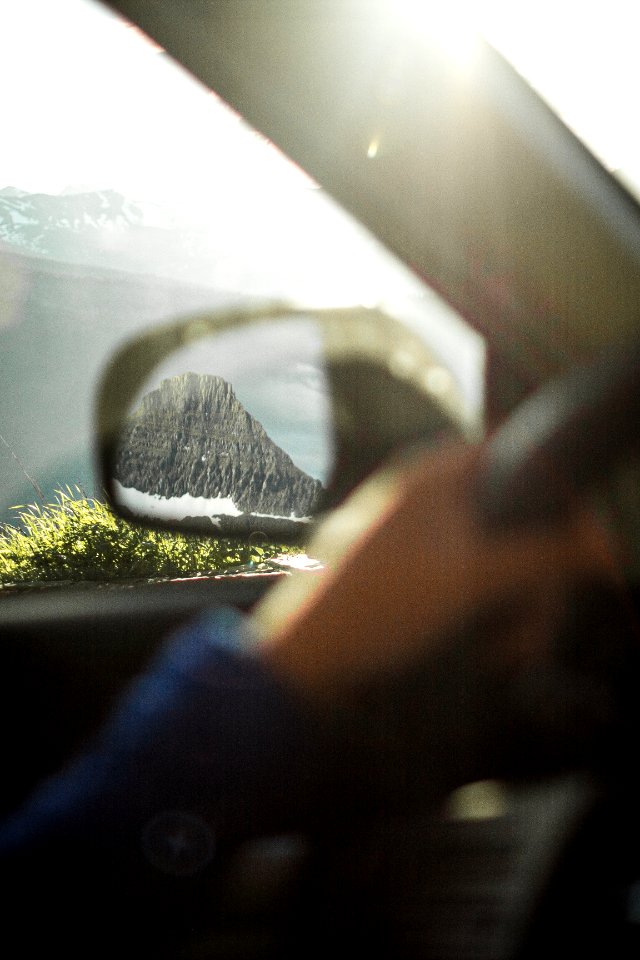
<point>77,538</point>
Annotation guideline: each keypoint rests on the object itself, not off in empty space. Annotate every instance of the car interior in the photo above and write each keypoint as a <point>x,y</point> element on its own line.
<point>477,187</point>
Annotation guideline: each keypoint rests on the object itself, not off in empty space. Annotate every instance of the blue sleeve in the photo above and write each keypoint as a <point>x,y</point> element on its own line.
<point>205,750</point>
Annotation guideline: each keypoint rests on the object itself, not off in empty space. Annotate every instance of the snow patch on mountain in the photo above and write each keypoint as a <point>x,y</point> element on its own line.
<point>174,508</point>
<point>155,506</point>
<point>37,221</point>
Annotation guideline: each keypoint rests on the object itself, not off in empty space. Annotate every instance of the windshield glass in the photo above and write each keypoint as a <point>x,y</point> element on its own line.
<point>130,194</point>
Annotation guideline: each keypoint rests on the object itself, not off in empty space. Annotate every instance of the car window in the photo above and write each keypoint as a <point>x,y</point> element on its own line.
<point>131,194</point>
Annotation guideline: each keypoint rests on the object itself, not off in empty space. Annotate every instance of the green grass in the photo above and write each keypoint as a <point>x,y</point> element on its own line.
<point>78,538</point>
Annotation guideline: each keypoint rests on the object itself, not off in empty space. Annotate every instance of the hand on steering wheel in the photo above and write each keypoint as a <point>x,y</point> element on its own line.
<point>422,565</point>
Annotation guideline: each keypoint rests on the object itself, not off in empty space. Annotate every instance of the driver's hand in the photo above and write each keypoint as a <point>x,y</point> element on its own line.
<point>407,564</point>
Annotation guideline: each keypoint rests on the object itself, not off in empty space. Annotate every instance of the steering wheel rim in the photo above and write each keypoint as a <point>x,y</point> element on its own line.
<point>561,440</point>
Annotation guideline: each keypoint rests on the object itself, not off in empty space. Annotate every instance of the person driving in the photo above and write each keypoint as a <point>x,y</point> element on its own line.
<point>292,721</point>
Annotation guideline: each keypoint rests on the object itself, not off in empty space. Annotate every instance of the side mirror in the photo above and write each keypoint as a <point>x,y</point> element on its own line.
<point>254,423</point>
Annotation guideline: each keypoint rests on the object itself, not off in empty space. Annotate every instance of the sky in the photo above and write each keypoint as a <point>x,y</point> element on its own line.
<point>101,127</point>
<point>146,128</point>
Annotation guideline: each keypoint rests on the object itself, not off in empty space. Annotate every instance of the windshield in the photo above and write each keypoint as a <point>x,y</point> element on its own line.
<point>130,194</point>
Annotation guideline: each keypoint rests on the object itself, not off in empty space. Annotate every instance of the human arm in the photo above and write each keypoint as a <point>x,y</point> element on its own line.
<point>409,562</point>
<point>130,843</point>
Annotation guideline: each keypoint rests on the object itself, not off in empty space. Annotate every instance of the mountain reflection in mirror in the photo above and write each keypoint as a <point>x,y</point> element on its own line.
<point>233,430</point>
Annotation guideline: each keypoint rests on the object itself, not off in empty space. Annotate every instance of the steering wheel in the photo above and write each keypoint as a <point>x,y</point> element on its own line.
<point>281,894</point>
<point>562,439</point>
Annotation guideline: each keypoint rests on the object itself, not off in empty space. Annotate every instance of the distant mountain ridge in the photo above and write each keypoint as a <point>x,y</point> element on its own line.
<point>105,229</point>
<point>39,221</point>
<point>193,436</point>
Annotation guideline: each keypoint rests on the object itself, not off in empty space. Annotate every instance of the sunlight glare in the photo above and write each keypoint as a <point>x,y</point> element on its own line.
<point>449,23</point>
<point>372,149</point>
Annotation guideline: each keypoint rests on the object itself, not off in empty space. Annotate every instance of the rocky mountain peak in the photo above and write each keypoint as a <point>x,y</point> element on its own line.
<point>191,435</point>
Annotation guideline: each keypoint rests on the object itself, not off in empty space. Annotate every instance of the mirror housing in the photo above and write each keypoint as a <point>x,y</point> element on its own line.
<point>252,423</point>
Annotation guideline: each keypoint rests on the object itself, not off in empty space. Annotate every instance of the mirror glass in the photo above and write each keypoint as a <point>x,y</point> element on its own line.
<point>231,433</point>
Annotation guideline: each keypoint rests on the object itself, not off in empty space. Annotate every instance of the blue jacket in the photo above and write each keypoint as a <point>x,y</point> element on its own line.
<point>205,751</point>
